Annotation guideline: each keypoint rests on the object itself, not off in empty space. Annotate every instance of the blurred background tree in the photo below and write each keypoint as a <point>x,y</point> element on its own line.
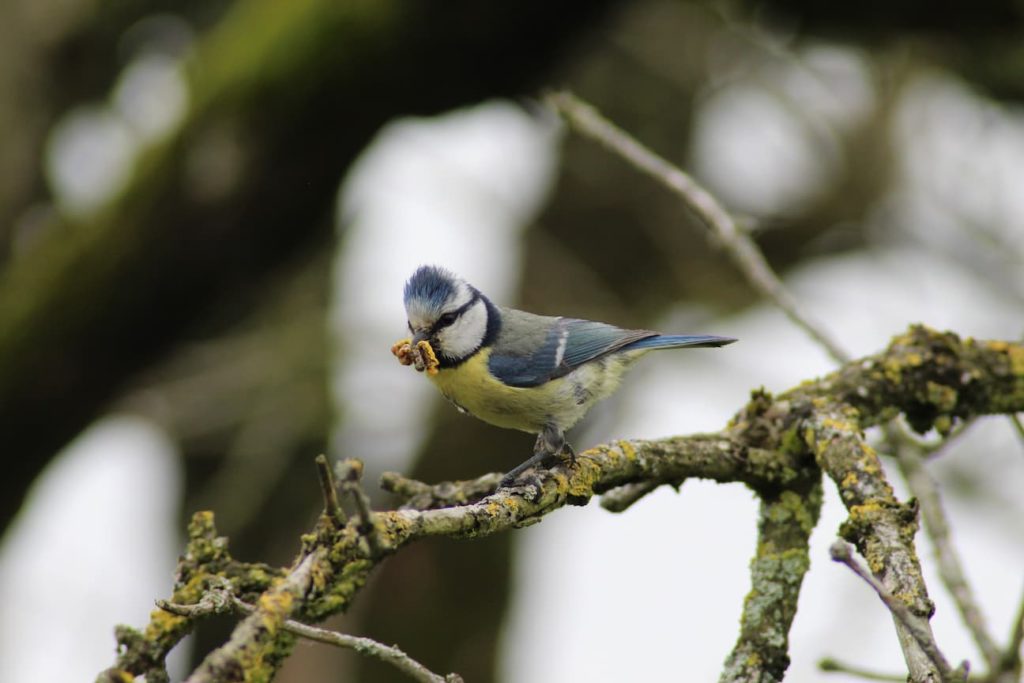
<point>170,246</point>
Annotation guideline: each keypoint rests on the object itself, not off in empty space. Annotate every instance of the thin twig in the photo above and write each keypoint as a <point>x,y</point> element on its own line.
<point>724,231</point>
<point>330,492</point>
<point>834,666</point>
<point>1011,661</point>
<point>350,471</point>
<point>623,497</point>
<point>418,495</point>
<point>219,600</point>
<point>259,631</point>
<point>840,552</point>
<point>388,654</point>
<point>936,525</point>
<point>931,448</point>
<point>1018,425</point>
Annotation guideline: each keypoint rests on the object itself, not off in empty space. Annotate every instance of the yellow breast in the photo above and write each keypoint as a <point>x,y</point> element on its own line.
<point>472,387</point>
<point>562,401</point>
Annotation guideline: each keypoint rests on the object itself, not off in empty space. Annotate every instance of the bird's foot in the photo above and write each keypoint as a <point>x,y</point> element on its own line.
<point>571,452</point>
<point>512,479</point>
<point>550,444</point>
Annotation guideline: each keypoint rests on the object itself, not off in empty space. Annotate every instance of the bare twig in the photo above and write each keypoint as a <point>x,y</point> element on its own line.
<point>936,525</point>
<point>261,628</point>
<point>834,666</point>
<point>219,600</point>
<point>724,231</point>
<point>620,499</point>
<point>840,552</point>
<point>388,654</point>
<point>421,496</point>
<point>1011,661</point>
<point>350,471</point>
<point>330,492</point>
<point>929,448</point>
<point>216,600</point>
<point>1018,425</point>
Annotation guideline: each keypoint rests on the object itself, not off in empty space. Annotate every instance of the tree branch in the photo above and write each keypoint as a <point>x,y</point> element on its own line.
<point>786,520</point>
<point>329,490</point>
<point>925,491</point>
<point>750,261</point>
<point>219,600</point>
<point>1011,660</point>
<point>366,646</point>
<point>774,444</point>
<point>915,625</point>
<point>723,231</point>
<point>205,564</point>
<point>833,666</point>
<point>1018,426</point>
<point>259,644</point>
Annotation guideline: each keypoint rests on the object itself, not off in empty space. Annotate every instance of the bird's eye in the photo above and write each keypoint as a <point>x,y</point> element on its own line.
<point>446,319</point>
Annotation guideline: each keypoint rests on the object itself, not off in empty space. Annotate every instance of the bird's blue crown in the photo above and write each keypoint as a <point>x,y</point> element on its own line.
<point>431,286</point>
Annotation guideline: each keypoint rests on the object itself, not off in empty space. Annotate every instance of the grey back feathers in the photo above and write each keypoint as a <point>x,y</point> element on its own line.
<point>531,349</point>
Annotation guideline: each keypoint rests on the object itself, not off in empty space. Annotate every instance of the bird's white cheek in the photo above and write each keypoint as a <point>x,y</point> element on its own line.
<point>464,336</point>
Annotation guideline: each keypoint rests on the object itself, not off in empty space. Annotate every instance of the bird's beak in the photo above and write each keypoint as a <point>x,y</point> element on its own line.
<point>418,337</point>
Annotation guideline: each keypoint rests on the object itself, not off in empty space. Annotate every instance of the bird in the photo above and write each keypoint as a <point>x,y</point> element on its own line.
<point>534,373</point>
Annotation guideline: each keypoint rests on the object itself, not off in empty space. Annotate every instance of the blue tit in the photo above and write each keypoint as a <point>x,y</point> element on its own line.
<point>513,369</point>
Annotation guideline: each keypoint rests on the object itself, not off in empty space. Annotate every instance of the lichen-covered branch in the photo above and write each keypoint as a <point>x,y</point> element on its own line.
<point>881,527</point>
<point>259,643</point>
<point>785,523</point>
<point>925,491</point>
<point>778,446</point>
<point>205,564</point>
<point>219,600</point>
<point>909,625</point>
<point>860,395</point>
<point>933,379</point>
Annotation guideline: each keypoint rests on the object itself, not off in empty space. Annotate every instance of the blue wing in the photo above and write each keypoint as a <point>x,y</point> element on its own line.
<point>678,341</point>
<point>568,344</point>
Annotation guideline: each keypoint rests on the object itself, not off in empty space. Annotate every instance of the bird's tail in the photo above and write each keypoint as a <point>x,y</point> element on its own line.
<point>676,341</point>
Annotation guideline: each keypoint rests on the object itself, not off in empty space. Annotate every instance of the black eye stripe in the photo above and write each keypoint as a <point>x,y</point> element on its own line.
<point>451,316</point>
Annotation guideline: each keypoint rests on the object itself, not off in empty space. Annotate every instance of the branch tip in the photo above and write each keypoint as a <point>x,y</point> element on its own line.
<point>622,498</point>
<point>350,471</point>
<point>329,489</point>
<point>388,654</point>
<point>830,665</point>
<point>910,458</point>
<point>722,229</point>
<point>418,495</point>
<point>916,626</point>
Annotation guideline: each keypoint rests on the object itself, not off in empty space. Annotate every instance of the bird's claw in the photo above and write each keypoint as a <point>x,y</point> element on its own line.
<point>528,483</point>
<point>571,452</point>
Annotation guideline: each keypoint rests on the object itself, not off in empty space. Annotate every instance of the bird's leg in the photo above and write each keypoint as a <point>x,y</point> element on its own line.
<point>550,442</point>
